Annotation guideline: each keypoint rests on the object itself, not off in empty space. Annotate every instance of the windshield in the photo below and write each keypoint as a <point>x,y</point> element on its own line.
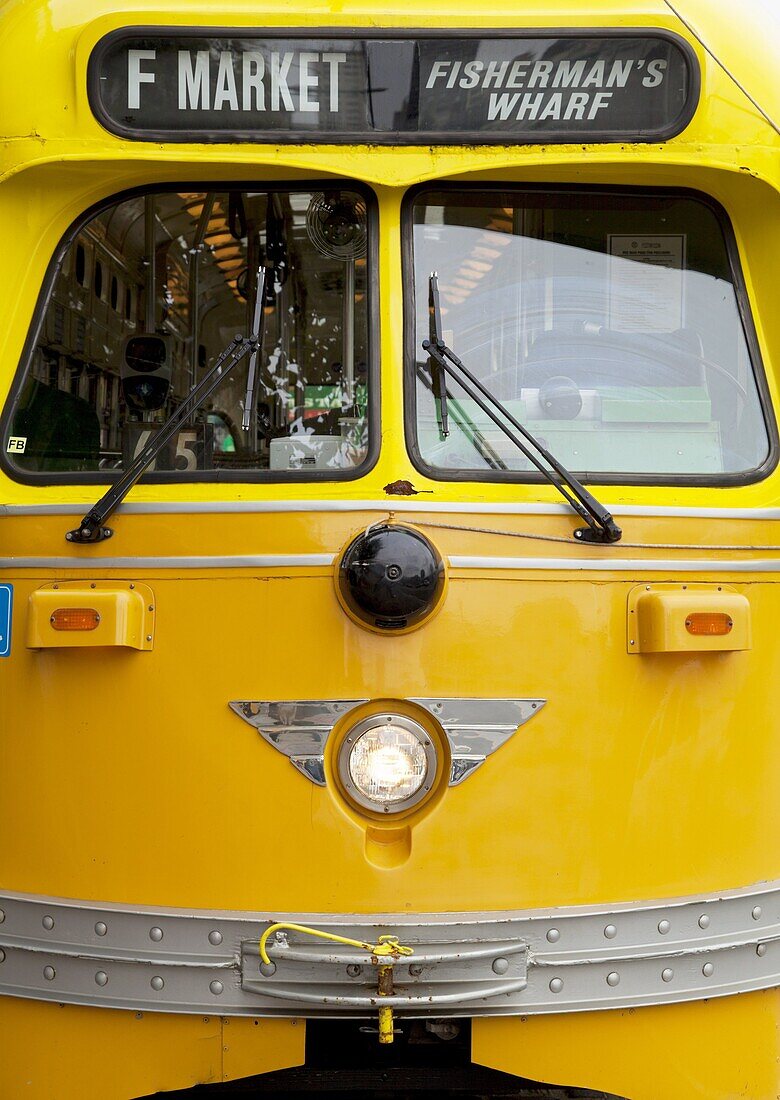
<point>152,289</point>
<point>607,323</point>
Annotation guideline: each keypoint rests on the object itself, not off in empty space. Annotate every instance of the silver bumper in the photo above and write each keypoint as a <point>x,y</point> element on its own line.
<point>508,963</point>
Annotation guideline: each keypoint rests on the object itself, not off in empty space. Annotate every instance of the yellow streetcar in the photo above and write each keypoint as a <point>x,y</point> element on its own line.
<point>389,555</point>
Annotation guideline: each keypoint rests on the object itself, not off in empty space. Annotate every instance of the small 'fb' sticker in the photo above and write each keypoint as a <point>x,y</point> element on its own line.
<point>16,444</point>
<point>6,607</point>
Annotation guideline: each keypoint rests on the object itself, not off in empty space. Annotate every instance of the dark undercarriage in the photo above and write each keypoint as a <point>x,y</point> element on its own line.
<point>344,1059</point>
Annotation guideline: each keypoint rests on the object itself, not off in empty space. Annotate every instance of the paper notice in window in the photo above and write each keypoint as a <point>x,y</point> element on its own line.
<point>646,282</point>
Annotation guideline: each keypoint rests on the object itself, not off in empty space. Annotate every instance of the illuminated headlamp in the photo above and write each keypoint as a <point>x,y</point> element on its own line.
<point>387,763</point>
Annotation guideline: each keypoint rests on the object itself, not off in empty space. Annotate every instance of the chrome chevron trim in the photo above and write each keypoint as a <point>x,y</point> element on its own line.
<point>518,962</point>
<point>300,728</point>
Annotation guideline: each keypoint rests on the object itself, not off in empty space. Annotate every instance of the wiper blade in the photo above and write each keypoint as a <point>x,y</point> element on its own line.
<point>601,527</point>
<point>91,528</point>
<point>257,329</point>
<point>438,374</point>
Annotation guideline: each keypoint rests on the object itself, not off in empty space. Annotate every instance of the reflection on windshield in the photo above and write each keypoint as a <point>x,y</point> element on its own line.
<point>607,324</point>
<point>149,293</point>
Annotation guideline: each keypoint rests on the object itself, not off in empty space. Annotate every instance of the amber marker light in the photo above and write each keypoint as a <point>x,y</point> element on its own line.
<point>75,618</point>
<point>709,624</point>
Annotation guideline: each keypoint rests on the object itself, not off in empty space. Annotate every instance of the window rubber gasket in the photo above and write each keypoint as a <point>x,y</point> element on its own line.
<point>220,476</point>
<point>476,476</point>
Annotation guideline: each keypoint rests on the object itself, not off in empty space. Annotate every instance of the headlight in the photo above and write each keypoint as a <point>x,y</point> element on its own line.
<point>387,762</point>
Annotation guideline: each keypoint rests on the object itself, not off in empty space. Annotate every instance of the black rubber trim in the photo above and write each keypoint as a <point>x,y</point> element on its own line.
<point>106,477</point>
<point>435,473</point>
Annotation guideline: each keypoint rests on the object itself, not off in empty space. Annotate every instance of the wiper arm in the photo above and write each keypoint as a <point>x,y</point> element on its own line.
<point>91,528</point>
<point>601,527</point>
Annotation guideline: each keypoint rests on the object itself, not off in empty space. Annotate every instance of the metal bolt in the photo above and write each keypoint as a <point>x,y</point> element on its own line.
<point>101,928</point>
<point>157,982</point>
<point>667,974</point>
<point>613,978</point>
<point>48,923</point>
<point>663,927</point>
<point>49,973</point>
<point>415,970</point>
<point>708,970</point>
<point>101,977</point>
<point>215,938</point>
<point>761,950</point>
<point>610,932</point>
<point>132,586</point>
<point>151,607</point>
<point>267,969</point>
<point>556,985</point>
<point>355,970</point>
<point>500,965</point>
<point>756,913</point>
<point>93,585</point>
<point>704,921</point>
<point>148,637</point>
<point>216,988</point>
<point>155,934</point>
<point>553,935</point>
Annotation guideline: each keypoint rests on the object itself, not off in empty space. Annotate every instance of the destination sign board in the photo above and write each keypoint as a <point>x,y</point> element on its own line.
<point>392,87</point>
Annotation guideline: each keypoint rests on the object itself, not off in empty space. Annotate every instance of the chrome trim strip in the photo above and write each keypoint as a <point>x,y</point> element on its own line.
<point>224,507</point>
<point>622,565</point>
<point>226,561</point>
<point>637,566</point>
<point>578,958</point>
<point>299,728</point>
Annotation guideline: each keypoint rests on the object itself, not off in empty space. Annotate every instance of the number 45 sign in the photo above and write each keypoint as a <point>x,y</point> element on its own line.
<point>189,450</point>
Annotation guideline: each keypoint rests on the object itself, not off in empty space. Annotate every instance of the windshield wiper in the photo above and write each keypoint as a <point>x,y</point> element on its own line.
<point>601,527</point>
<point>91,528</point>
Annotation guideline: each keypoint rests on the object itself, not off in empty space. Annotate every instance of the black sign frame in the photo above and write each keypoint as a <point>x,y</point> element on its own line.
<point>397,138</point>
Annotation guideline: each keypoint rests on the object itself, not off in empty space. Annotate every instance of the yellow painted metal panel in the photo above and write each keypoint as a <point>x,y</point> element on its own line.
<point>722,1049</point>
<point>69,1051</point>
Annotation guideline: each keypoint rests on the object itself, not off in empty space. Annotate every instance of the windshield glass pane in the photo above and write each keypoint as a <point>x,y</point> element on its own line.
<point>606,322</point>
<point>148,294</point>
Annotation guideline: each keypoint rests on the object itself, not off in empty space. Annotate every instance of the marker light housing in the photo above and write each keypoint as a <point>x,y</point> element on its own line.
<point>387,763</point>
<point>391,577</point>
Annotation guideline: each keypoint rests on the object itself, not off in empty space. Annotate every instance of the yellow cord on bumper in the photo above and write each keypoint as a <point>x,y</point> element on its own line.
<point>387,947</point>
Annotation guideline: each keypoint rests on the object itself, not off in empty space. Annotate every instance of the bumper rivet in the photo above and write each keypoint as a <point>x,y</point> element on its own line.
<point>101,928</point>
<point>667,974</point>
<point>708,970</point>
<point>155,934</point>
<point>610,932</point>
<point>500,965</point>
<point>215,938</point>
<point>556,985</point>
<point>216,988</point>
<point>704,921</point>
<point>663,927</point>
<point>48,923</point>
<point>553,935</point>
<point>756,914</point>
<point>761,950</point>
<point>101,977</point>
<point>157,982</point>
<point>613,979</point>
<point>49,973</point>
